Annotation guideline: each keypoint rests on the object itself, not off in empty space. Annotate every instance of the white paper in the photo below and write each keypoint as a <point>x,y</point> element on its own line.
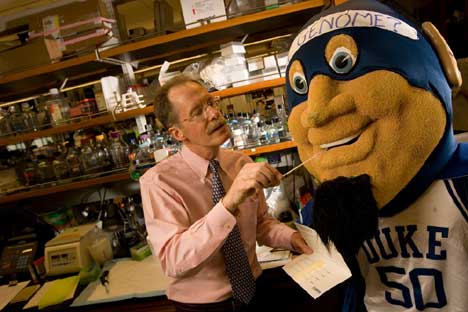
<point>7,293</point>
<point>127,279</point>
<point>196,10</point>
<point>322,270</point>
<point>268,254</point>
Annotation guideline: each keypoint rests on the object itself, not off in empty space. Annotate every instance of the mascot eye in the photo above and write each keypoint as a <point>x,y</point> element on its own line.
<point>299,83</point>
<point>342,61</point>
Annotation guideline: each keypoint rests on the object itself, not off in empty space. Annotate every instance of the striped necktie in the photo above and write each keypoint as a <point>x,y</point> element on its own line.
<point>237,264</point>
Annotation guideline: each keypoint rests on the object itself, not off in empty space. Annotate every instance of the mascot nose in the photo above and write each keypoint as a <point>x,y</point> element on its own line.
<point>326,101</point>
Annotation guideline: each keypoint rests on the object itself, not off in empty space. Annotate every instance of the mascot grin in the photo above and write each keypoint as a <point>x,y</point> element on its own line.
<point>370,98</point>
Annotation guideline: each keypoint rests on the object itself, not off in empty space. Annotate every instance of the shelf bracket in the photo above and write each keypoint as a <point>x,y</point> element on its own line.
<point>112,61</point>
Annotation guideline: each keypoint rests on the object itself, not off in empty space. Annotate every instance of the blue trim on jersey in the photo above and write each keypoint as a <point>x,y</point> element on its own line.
<point>455,200</point>
<point>458,164</point>
<point>461,187</point>
<point>428,173</point>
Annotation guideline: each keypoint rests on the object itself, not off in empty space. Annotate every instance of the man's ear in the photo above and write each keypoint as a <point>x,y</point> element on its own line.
<point>446,57</point>
<point>177,133</point>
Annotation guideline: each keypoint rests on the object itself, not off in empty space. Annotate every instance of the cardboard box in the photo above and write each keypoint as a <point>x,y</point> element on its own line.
<point>44,51</point>
<point>68,14</point>
<point>80,36</point>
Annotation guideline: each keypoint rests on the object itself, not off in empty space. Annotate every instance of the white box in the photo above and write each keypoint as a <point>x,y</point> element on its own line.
<point>232,48</point>
<point>196,10</point>
<point>282,59</point>
<point>269,61</point>
<point>255,64</point>
<point>234,60</point>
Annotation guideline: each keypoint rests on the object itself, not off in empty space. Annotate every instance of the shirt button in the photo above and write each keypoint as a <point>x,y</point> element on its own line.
<point>227,226</point>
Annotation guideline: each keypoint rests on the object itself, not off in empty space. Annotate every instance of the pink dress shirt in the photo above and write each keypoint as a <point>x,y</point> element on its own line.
<point>187,232</point>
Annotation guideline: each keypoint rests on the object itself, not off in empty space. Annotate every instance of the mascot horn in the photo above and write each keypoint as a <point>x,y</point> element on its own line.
<point>370,100</point>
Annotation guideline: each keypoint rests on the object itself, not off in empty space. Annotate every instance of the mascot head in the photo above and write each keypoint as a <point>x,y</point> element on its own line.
<point>370,101</point>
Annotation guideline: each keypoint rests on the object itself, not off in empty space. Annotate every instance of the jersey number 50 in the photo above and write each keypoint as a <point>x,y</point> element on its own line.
<point>415,275</point>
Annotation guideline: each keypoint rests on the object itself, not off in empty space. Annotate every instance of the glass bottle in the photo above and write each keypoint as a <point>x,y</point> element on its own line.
<point>45,169</point>
<point>42,115</point>
<point>30,171</point>
<point>119,150</point>
<point>271,132</point>
<point>102,153</point>
<point>16,119</point>
<point>89,157</point>
<point>58,108</point>
<point>5,126</point>
<point>239,138</point>
<point>74,163</point>
<point>262,133</point>
<point>279,127</point>
<point>29,117</point>
<point>60,166</point>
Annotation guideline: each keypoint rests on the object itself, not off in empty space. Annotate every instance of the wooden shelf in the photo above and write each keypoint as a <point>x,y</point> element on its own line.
<point>64,187</point>
<point>88,123</point>
<point>107,118</point>
<point>273,83</point>
<point>154,50</point>
<point>123,176</point>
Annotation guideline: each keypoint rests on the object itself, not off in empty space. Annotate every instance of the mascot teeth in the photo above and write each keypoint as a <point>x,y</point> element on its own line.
<point>339,142</point>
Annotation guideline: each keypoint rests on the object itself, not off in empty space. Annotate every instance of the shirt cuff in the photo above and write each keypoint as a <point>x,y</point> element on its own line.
<point>220,217</point>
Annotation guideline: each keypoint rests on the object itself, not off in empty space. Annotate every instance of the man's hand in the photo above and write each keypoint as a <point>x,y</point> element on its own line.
<point>299,245</point>
<point>252,178</point>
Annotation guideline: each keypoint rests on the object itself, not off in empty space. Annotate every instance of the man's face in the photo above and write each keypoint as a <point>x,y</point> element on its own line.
<point>199,124</point>
<point>376,124</point>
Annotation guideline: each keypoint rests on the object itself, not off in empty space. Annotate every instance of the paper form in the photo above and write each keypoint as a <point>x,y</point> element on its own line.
<point>7,293</point>
<point>319,272</point>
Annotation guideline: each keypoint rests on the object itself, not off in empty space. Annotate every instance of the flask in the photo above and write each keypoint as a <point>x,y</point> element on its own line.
<point>58,108</point>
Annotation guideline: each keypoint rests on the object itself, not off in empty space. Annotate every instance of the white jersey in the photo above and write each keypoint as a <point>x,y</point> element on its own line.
<point>419,258</point>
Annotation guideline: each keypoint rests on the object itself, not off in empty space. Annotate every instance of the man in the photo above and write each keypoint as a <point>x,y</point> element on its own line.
<point>188,224</point>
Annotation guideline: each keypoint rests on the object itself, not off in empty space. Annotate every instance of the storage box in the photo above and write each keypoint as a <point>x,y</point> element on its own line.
<point>198,12</point>
<point>36,52</point>
<point>81,35</point>
<point>231,48</point>
<point>68,14</point>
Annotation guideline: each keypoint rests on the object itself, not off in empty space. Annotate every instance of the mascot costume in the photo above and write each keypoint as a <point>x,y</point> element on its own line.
<point>370,100</point>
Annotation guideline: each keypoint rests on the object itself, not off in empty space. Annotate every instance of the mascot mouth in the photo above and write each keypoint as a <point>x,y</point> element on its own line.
<point>346,141</point>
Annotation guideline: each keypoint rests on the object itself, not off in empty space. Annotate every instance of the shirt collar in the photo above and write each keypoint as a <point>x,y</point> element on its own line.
<point>198,164</point>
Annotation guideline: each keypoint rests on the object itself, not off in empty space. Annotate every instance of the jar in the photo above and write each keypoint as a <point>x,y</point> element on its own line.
<point>84,107</point>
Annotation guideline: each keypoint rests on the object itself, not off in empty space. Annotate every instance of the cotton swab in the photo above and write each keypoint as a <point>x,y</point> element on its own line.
<point>300,165</point>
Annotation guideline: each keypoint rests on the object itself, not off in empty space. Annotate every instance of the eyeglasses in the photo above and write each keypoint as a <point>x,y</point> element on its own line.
<point>199,113</point>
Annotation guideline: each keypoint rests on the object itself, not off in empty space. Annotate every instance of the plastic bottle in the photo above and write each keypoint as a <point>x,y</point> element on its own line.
<point>58,108</point>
